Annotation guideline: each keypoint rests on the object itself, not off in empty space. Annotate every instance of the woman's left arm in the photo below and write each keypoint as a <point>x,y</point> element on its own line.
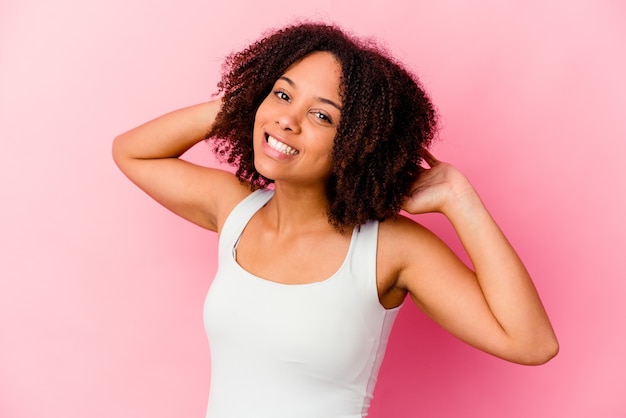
<point>498,298</point>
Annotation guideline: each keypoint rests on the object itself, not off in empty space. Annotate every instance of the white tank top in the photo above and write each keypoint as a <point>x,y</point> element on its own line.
<point>294,351</point>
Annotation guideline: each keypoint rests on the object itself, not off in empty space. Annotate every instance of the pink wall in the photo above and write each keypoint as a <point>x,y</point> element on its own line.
<point>101,290</point>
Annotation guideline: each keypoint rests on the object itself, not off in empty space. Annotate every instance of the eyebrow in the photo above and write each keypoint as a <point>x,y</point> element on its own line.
<point>321,99</point>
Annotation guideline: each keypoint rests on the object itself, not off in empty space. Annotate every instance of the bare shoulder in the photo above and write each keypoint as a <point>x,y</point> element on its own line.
<point>402,242</point>
<point>217,192</point>
<point>231,193</point>
<point>409,257</point>
<point>402,237</point>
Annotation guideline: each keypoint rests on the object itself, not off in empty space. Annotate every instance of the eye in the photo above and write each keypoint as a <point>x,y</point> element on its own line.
<point>322,116</point>
<point>281,95</point>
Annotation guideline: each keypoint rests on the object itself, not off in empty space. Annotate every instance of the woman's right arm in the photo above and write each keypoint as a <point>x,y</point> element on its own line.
<point>148,156</point>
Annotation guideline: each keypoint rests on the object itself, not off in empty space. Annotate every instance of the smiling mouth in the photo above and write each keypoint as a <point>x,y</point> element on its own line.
<point>280,146</point>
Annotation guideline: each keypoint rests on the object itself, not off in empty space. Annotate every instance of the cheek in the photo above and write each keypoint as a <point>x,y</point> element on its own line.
<point>260,118</point>
<point>326,156</point>
<point>261,111</point>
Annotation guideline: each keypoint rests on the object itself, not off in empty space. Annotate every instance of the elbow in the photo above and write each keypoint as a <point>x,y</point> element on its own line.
<point>116,149</point>
<point>542,357</point>
<point>120,151</point>
<point>539,354</point>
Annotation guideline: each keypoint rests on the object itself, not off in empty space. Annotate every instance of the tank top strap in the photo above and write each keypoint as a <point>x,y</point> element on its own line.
<point>239,218</point>
<point>362,262</point>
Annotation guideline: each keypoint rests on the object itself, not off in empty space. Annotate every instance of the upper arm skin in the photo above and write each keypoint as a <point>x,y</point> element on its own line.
<point>202,195</point>
<point>440,284</point>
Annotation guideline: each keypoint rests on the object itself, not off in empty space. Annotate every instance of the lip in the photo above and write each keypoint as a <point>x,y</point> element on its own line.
<point>271,152</point>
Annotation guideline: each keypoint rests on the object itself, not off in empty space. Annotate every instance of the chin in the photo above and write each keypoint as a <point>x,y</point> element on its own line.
<point>264,171</point>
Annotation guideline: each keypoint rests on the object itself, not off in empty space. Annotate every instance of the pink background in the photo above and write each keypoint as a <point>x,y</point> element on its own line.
<point>101,290</point>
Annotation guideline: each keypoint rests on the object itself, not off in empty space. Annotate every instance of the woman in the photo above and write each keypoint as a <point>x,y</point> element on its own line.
<point>313,270</point>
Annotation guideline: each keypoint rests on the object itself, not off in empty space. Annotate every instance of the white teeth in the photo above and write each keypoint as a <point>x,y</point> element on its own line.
<point>279,146</point>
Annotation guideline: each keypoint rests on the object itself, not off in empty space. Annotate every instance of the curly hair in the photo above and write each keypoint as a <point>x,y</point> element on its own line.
<point>386,119</point>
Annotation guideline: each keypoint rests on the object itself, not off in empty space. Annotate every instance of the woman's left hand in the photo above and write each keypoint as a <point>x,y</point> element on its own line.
<point>436,188</point>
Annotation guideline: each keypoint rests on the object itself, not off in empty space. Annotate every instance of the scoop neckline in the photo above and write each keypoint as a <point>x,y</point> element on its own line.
<point>233,258</point>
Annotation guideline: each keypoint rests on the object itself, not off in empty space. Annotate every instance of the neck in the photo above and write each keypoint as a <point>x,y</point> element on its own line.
<point>297,209</point>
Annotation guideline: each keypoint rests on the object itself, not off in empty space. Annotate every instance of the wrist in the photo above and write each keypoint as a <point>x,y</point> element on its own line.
<point>463,200</point>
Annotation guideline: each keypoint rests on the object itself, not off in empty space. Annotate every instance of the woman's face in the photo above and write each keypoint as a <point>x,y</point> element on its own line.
<point>296,124</point>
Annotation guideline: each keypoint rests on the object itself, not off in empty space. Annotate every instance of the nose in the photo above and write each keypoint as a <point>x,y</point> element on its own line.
<point>287,120</point>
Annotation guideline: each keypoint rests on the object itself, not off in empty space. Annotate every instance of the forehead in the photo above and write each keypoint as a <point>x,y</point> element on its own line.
<point>319,70</point>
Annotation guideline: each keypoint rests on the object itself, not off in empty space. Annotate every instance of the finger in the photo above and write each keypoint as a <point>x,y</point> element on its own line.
<point>429,158</point>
